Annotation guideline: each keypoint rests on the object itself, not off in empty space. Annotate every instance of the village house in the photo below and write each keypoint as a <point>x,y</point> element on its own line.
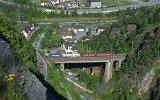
<point>53,2</point>
<point>44,3</point>
<point>78,29</point>
<point>100,29</point>
<point>69,48</point>
<point>67,33</point>
<point>27,30</point>
<point>95,3</point>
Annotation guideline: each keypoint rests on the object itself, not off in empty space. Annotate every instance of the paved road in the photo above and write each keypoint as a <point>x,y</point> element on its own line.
<point>87,59</point>
<point>113,9</point>
<point>99,10</point>
<point>43,69</point>
<point>36,44</point>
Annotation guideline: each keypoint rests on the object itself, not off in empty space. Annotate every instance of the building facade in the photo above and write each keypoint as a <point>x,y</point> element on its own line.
<point>95,3</point>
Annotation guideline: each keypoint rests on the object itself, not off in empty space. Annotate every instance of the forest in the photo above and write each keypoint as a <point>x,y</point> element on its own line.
<point>21,47</point>
<point>137,33</point>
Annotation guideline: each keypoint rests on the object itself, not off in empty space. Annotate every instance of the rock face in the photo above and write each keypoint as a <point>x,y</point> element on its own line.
<point>31,87</point>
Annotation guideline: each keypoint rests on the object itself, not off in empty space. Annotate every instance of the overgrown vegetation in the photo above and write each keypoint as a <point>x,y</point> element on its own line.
<point>137,33</point>
<point>87,80</point>
<point>52,40</point>
<point>8,88</point>
<point>22,48</point>
<point>56,80</point>
<point>22,2</point>
<point>39,31</point>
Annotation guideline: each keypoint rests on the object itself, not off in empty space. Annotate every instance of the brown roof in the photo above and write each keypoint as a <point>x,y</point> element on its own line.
<point>66,31</point>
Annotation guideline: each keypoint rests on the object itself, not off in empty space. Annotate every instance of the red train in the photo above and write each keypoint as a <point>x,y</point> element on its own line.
<point>96,55</point>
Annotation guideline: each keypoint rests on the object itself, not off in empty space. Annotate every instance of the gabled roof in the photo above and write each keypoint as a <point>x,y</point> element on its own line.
<point>26,29</point>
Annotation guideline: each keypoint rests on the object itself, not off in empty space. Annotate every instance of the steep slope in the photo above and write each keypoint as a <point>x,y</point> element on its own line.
<point>31,88</point>
<point>142,45</point>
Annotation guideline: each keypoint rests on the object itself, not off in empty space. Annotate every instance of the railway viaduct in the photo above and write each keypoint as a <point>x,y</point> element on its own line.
<point>117,58</point>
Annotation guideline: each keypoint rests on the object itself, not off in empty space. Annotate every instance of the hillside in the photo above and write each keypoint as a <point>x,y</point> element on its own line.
<point>137,33</point>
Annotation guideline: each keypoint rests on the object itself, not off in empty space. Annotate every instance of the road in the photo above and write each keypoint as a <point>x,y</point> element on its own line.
<point>107,10</point>
<point>37,42</point>
<point>113,9</point>
<point>37,45</point>
<point>42,69</point>
<point>99,10</point>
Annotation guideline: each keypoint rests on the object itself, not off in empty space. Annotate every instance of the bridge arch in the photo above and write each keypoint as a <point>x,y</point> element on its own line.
<point>117,64</point>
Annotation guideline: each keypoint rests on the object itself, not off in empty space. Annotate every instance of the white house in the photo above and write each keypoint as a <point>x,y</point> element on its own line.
<point>27,30</point>
<point>100,29</point>
<point>78,29</point>
<point>25,34</point>
<point>54,2</point>
<point>44,3</point>
<point>95,3</point>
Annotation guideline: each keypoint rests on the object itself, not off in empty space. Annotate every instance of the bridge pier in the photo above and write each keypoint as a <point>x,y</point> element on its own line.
<point>62,66</point>
<point>119,64</point>
<point>108,72</point>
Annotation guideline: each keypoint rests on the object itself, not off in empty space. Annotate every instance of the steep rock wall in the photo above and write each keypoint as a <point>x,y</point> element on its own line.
<point>31,87</point>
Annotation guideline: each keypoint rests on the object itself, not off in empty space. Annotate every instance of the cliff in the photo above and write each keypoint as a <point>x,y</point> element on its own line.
<point>31,88</point>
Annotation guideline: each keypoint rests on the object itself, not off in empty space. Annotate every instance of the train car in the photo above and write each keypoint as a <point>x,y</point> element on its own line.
<point>96,55</point>
<point>71,55</point>
<point>103,54</point>
<point>55,55</point>
<point>87,55</point>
